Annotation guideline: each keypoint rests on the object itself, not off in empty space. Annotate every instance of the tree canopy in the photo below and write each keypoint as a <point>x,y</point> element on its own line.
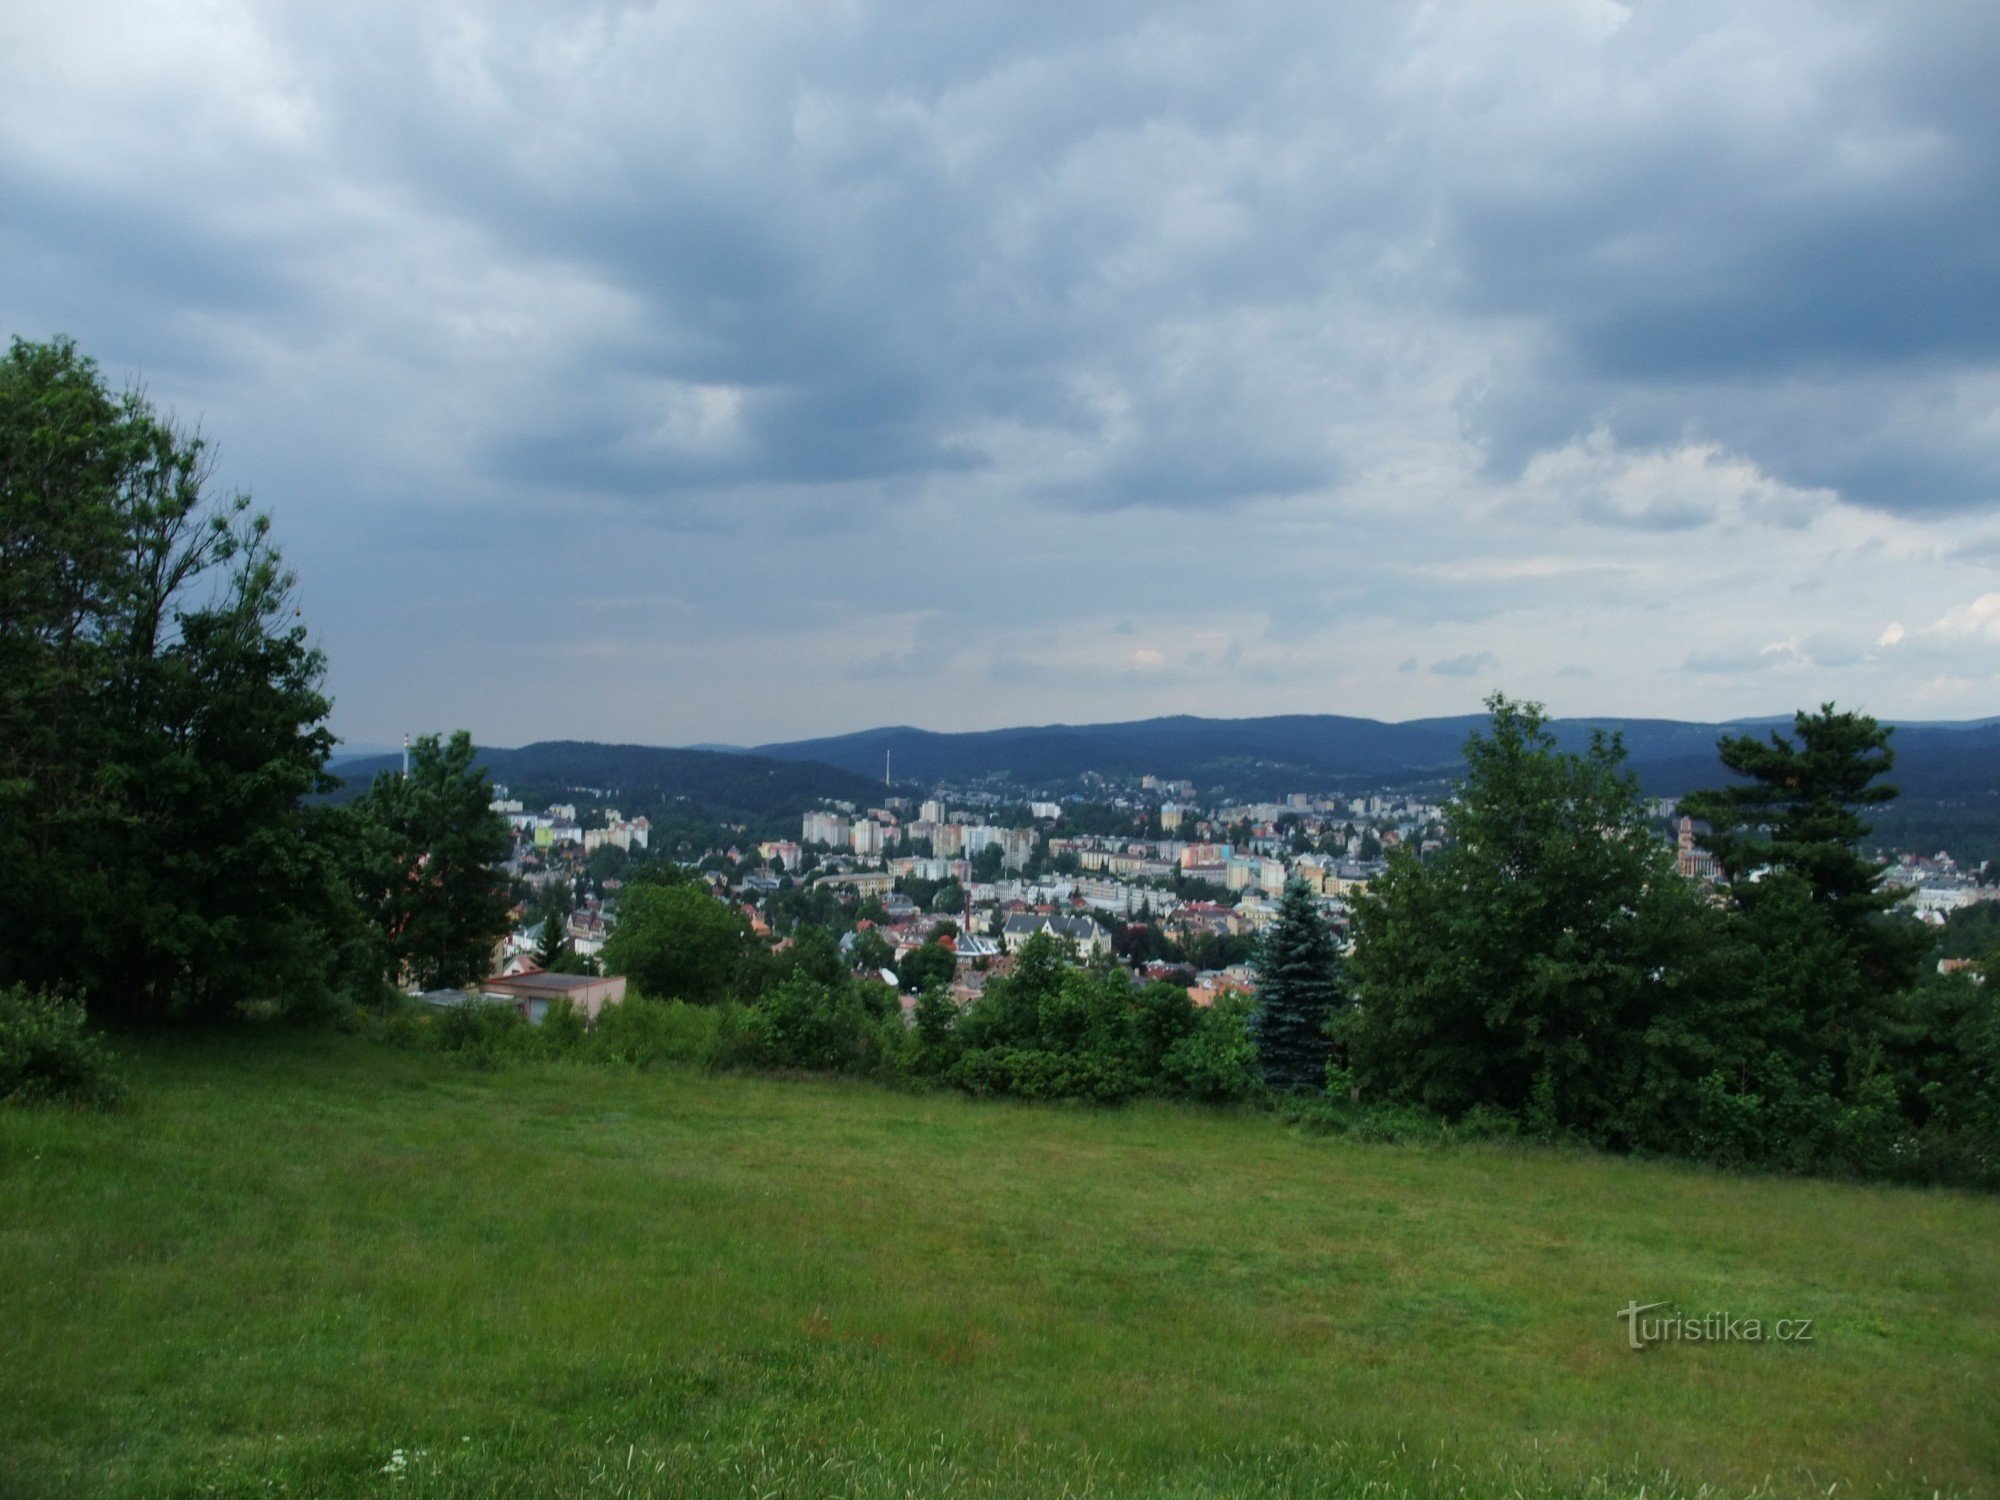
<point>160,709</point>
<point>1521,966</point>
<point>676,942</point>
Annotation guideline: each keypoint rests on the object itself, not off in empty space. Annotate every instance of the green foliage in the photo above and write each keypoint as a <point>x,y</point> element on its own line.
<point>160,712</point>
<point>1525,966</point>
<point>806,1024</point>
<point>935,1022</point>
<point>1799,813</point>
<point>871,951</point>
<point>1298,994</point>
<point>644,1033</point>
<point>48,1054</point>
<point>426,875</point>
<point>677,942</point>
<point>925,965</point>
<point>1052,1030</point>
<point>1040,1073</point>
<point>815,953</point>
<point>1215,1062</point>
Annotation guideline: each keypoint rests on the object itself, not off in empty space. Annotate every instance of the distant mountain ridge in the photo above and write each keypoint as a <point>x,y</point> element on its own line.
<point>733,785</point>
<point>1266,757</point>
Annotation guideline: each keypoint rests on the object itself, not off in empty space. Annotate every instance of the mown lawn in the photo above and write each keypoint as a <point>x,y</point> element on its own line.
<point>292,1256</point>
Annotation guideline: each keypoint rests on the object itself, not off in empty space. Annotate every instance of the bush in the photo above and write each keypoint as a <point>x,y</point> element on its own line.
<point>483,1034</point>
<point>643,1033</point>
<point>1216,1062</point>
<point>1037,1073</point>
<point>46,1055</point>
<point>805,1024</point>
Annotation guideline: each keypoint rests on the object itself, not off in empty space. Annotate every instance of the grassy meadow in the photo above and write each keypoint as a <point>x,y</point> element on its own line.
<point>313,1265</point>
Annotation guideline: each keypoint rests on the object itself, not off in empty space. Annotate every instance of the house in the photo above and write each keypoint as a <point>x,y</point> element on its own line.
<point>532,994</point>
<point>1090,939</point>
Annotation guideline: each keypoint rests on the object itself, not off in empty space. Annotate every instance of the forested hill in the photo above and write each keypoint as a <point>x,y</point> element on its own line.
<point>1303,752</point>
<point>746,787</point>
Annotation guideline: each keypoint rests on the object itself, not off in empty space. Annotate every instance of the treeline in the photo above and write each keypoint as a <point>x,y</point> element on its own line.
<point>162,726</point>
<point>1551,968</point>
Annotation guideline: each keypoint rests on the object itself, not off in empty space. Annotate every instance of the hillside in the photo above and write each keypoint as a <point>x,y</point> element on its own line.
<point>294,1256</point>
<point>1949,773</point>
<point>1270,756</point>
<point>741,787</point>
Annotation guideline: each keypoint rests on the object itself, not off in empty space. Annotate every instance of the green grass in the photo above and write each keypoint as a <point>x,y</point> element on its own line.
<point>290,1256</point>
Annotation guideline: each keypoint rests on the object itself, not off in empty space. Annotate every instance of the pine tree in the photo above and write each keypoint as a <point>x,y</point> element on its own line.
<point>1298,993</point>
<point>1797,815</point>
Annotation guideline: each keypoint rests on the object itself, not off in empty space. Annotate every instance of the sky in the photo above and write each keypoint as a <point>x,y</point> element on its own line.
<point>737,373</point>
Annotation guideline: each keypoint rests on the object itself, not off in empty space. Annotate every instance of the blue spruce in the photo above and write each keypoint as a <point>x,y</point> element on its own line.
<point>1298,990</point>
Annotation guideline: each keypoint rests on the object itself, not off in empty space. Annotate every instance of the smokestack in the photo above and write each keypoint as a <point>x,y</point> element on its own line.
<point>406,757</point>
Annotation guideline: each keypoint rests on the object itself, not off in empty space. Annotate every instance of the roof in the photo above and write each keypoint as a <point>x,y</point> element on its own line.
<point>541,984</point>
<point>1079,927</point>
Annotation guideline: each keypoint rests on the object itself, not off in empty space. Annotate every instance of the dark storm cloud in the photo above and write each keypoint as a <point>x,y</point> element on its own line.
<point>1767,227</point>
<point>1089,350</point>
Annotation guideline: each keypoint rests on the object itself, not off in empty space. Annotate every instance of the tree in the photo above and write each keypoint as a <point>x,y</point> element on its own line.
<point>1298,994</point>
<point>871,951</point>
<point>676,942</point>
<point>160,712</point>
<point>926,965</point>
<point>554,941</point>
<point>430,879</point>
<point>1523,965</point>
<point>1798,813</point>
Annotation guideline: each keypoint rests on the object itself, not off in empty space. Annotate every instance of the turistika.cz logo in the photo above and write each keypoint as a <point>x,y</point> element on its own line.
<point>1659,1323</point>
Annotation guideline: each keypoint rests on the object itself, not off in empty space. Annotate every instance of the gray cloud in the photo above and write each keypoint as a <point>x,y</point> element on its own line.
<point>1472,664</point>
<point>1042,361</point>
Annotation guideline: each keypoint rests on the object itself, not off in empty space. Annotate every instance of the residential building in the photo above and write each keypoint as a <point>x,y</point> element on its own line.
<point>1090,939</point>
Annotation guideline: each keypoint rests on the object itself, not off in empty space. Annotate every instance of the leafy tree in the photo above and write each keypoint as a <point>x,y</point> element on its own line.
<point>160,712</point>
<point>660,872</point>
<point>676,942</point>
<point>814,952</point>
<point>926,965</point>
<point>1298,994</point>
<point>430,878</point>
<point>1523,966</point>
<point>936,1015</point>
<point>871,951</point>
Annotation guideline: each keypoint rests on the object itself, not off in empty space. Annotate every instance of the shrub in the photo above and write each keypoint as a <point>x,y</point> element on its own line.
<point>1037,1073</point>
<point>483,1034</point>
<point>805,1024</point>
<point>643,1033</point>
<point>47,1055</point>
<point>1216,1062</point>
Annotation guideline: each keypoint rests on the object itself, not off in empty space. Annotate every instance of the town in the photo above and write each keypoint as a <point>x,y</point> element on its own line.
<point>1161,883</point>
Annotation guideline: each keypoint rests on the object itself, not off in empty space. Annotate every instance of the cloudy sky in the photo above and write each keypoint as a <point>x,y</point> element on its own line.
<point>746,371</point>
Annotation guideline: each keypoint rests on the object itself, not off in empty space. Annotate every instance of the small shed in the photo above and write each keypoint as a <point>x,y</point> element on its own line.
<point>531,994</point>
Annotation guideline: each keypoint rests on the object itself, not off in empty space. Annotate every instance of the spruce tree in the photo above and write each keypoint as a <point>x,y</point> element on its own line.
<point>1298,991</point>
